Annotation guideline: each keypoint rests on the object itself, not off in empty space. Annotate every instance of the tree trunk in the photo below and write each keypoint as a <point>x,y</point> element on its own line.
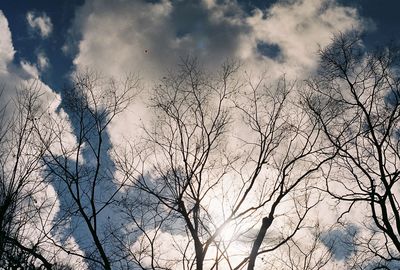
<point>266,222</point>
<point>199,260</point>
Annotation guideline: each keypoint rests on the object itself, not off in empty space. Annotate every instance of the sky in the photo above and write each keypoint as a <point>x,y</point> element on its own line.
<point>50,40</point>
<point>58,37</point>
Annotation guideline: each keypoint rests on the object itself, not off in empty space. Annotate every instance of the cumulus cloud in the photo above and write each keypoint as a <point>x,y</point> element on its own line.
<point>8,80</point>
<point>150,37</point>
<point>6,47</point>
<point>33,70</point>
<point>21,77</point>
<point>298,29</point>
<point>40,22</point>
<point>128,36</point>
<point>25,75</point>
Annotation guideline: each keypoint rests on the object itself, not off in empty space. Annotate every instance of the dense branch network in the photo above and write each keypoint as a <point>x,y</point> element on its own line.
<point>226,174</point>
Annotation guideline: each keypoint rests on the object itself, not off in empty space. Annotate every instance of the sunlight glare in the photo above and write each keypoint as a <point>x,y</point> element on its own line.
<point>228,233</point>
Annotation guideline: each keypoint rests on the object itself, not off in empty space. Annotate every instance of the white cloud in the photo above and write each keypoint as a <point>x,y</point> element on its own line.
<point>298,28</point>
<point>8,81</point>
<point>40,23</point>
<point>6,47</point>
<point>34,70</point>
<point>131,36</point>
<point>21,77</point>
<point>42,61</point>
<point>148,38</point>
<point>30,69</point>
<point>135,36</point>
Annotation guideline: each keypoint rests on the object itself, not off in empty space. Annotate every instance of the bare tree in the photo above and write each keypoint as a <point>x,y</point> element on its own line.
<point>285,153</point>
<point>81,169</point>
<point>355,100</point>
<point>306,255</point>
<point>211,178</point>
<point>22,182</point>
<point>189,163</point>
